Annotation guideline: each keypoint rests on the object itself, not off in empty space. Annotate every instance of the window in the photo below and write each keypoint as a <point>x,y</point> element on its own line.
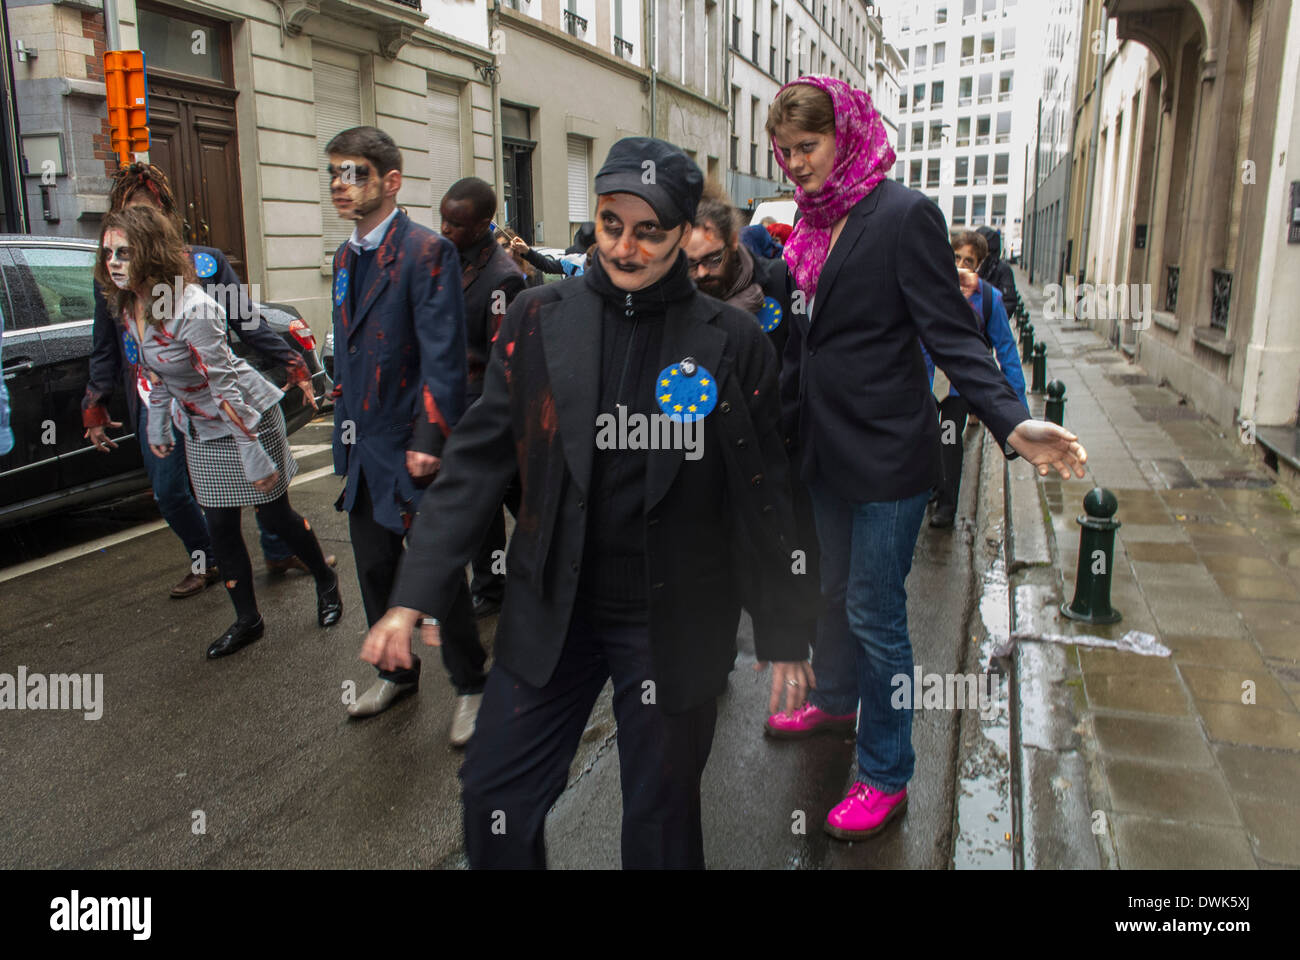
<point>941,15</point>
<point>1008,43</point>
<point>579,179</point>
<point>967,9</point>
<point>918,136</point>
<point>987,43</point>
<point>904,56</point>
<point>936,134</point>
<point>919,58</point>
<point>902,101</point>
<point>964,91</point>
<point>914,174</point>
<point>978,206</point>
<point>932,173</point>
<point>918,96</point>
<point>999,210</point>
<point>958,211</point>
<point>444,140</point>
<point>990,8</point>
<point>981,131</point>
<point>981,170</point>
<point>967,51</point>
<point>986,88</point>
<point>1004,127</point>
<point>961,172</point>
<point>169,41</point>
<point>936,94</point>
<point>1001,168</point>
<point>64,280</point>
<point>963,132</point>
<point>900,171</point>
<point>940,52</point>
<point>1004,86</point>
<point>902,138</point>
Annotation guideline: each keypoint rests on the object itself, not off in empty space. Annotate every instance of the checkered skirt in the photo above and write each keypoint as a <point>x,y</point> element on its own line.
<point>218,475</point>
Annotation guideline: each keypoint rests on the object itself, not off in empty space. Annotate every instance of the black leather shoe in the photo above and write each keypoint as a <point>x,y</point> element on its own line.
<point>485,607</point>
<point>239,635</point>
<point>329,605</point>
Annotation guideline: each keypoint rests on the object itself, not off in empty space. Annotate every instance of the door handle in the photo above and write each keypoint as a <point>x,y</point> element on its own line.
<point>12,370</point>
<point>189,230</point>
<point>207,233</point>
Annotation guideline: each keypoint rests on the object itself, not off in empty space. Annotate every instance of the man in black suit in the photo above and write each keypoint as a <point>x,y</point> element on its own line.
<point>626,562</point>
<point>490,281</point>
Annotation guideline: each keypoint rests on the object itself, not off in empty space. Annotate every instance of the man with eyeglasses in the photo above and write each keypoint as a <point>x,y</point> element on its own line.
<point>399,334</point>
<point>723,267</point>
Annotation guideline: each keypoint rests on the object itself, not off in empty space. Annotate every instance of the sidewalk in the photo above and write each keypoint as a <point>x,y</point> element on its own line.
<point>1187,761</point>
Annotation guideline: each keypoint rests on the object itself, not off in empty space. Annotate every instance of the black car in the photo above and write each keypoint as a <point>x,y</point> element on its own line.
<point>46,294</point>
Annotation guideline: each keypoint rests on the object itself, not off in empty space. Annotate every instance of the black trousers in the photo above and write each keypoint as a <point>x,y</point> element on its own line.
<point>953,411</point>
<point>378,551</point>
<point>485,583</point>
<point>517,763</point>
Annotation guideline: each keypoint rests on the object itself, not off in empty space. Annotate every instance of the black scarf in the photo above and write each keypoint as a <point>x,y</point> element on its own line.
<point>675,285</point>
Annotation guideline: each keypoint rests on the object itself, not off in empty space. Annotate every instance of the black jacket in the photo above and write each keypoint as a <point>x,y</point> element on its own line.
<point>774,277</point>
<point>109,369</point>
<point>537,415</point>
<point>485,269</point>
<point>855,393</point>
<point>998,272</point>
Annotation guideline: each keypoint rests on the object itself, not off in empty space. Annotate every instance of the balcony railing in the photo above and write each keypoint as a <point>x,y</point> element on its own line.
<point>622,48</point>
<point>574,25</point>
<point>967,61</point>
<point>413,4</point>
<point>1221,298</point>
<point>1171,288</point>
<point>982,141</point>
<point>963,101</point>
<point>1004,97</point>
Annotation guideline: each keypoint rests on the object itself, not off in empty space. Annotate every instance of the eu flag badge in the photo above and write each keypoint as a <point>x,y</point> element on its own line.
<point>340,286</point>
<point>769,315</point>
<point>686,391</point>
<point>129,348</point>
<point>205,265</point>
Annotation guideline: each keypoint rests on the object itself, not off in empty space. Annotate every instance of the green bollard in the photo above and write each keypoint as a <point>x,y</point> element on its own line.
<point>1091,602</point>
<point>1054,409</point>
<point>1027,343</point>
<point>1040,367</point>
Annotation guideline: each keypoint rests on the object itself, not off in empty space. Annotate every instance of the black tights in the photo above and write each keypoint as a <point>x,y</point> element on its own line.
<point>232,555</point>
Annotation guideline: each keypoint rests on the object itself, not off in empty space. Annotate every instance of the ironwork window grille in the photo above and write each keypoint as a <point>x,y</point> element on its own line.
<point>575,25</point>
<point>1171,287</point>
<point>1221,298</point>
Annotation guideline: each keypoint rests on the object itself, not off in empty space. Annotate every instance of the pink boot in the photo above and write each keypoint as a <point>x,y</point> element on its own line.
<point>807,720</point>
<point>864,812</point>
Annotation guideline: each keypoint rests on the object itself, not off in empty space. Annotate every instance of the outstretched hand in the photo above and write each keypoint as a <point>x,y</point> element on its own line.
<point>388,644</point>
<point>1049,447</point>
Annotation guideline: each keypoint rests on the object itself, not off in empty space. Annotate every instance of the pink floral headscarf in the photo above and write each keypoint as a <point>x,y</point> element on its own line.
<point>863,158</point>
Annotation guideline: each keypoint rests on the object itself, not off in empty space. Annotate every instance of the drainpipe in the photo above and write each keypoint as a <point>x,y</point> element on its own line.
<point>112,29</point>
<point>1092,146</point>
<point>1032,245</point>
<point>652,48</point>
<point>494,24</point>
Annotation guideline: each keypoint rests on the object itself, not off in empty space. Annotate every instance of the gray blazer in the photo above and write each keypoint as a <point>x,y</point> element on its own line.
<point>222,396</point>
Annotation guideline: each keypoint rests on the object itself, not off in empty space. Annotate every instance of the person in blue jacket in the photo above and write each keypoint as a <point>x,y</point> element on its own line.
<point>969,250</point>
<point>111,368</point>
<point>401,367</point>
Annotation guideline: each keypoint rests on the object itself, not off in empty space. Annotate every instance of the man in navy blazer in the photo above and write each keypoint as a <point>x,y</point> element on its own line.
<point>399,335</point>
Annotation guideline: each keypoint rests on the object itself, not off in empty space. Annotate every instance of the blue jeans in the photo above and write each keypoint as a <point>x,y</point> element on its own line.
<point>862,640</point>
<point>170,480</point>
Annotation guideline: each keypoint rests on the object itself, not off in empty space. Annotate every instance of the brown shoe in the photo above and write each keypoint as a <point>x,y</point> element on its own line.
<point>194,583</point>
<point>278,568</point>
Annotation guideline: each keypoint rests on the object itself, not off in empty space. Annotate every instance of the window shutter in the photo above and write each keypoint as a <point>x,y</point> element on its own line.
<point>444,142</point>
<point>338,107</point>
<point>579,201</point>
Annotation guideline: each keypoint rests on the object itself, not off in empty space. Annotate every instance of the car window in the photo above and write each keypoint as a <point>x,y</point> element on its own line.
<point>63,277</point>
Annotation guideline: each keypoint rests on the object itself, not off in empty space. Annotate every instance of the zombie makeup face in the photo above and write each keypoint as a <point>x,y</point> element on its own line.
<point>117,258</point>
<point>356,188</point>
<point>809,156</point>
<point>966,259</point>
<point>635,249</point>
<point>712,263</point>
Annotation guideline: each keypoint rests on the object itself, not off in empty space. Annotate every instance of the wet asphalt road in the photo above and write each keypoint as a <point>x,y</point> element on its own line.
<point>257,751</point>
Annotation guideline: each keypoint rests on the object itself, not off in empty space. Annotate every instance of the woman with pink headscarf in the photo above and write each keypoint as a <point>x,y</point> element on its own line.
<point>874,273</point>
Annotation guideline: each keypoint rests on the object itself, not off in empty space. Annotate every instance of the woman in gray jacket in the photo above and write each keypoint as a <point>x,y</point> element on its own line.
<point>235,440</point>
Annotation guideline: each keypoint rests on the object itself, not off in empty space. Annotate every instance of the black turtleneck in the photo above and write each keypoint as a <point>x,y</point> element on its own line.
<point>614,585</point>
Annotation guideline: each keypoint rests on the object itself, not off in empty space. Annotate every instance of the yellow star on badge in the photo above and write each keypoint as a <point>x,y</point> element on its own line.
<point>663,383</point>
<point>691,408</point>
<point>704,397</point>
<point>674,372</point>
<point>677,408</point>
<point>664,398</point>
<point>704,383</point>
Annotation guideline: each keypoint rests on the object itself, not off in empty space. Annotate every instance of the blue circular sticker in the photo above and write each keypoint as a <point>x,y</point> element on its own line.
<point>686,391</point>
<point>769,315</point>
<point>205,265</point>
<point>340,286</point>
<point>129,348</point>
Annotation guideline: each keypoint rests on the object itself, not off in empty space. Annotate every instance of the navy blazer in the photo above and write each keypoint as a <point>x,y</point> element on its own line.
<point>400,362</point>
<point>855,395</point>
<point>109,367</point>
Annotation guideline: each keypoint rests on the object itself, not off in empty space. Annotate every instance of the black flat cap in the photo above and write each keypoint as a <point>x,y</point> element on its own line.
<point>657,172</point>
